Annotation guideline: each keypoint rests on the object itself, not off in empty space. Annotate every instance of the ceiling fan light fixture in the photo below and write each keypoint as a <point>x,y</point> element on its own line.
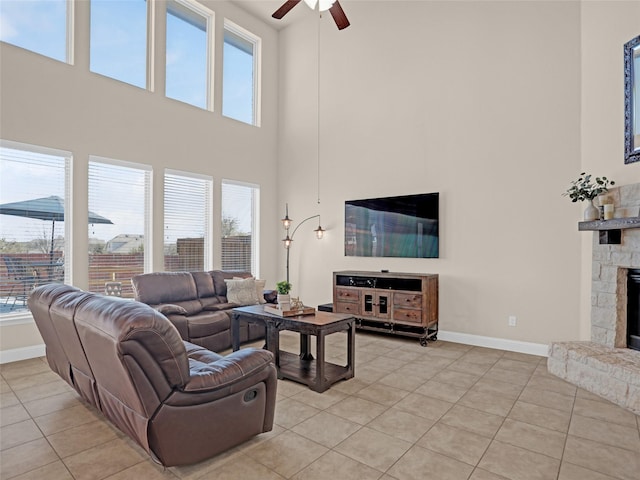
<point>324,4</point>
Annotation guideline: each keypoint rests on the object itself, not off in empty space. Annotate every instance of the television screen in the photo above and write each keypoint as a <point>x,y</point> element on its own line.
<point>404,226</point>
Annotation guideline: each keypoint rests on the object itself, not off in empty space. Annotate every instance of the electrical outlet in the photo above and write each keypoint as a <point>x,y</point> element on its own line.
<point>512,320</point>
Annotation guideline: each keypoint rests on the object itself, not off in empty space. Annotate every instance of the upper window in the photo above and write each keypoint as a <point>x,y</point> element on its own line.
<point>189,53</point>
<point>119,224</point>
<point>33,230</point>
<point>187,222</point>
<point>240,207</point>
<point>42,26</point>
<point>241,71</point>
<point>119,40</point>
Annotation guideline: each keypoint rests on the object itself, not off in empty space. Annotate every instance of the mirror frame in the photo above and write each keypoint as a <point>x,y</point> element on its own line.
<point>631,150</point>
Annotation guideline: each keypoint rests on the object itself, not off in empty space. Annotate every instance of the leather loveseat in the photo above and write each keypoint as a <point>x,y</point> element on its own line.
<point>197,304</point>
<point>180,402</point>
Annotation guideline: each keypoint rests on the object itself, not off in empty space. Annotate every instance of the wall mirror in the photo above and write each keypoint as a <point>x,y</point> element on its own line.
<point>632,100</point>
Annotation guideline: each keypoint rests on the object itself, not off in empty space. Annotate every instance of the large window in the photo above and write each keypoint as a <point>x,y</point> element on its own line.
<point>187,224</point>
<point>189,57</point>
<point>241,73</point>
<point>42,26</point>
<point>119,40</point>
<point>240,207</point>
<point>119,247</point>
<point>33,231</point>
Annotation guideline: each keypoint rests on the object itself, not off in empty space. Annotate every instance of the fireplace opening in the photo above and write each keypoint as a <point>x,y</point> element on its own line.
<point>633,309</point>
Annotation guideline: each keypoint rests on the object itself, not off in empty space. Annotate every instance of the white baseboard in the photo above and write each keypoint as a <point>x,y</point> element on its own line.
<point>23,353</point>
<point>539,349</point>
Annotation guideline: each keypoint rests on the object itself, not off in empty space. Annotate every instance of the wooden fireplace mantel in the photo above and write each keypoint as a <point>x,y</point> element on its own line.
<point>610,230</point>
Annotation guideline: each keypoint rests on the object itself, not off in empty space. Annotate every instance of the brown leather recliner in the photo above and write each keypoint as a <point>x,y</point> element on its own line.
<point>178,401</point>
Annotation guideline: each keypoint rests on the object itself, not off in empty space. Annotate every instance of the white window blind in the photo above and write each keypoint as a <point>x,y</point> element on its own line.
<point>241,74</point>
<point>187,221</point>
<point>121,193</point>
<point>240,207</point>
<point>33,232</point>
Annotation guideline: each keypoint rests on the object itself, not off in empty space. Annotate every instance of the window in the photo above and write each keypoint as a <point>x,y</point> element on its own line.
<point>33,231</point>
<point>241,71</point>
<point>42,26</point>
<point>189,57</point>
<point>240,207</point>
<point>187,221</point>
<point>119,40</point>
<point>119,248</point>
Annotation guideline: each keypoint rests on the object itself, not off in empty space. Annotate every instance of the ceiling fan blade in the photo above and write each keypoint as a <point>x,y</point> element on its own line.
<point>338,16</point>
<point>284,9</point>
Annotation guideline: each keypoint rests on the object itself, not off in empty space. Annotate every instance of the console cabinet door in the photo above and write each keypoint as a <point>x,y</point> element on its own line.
<point>375,304</point>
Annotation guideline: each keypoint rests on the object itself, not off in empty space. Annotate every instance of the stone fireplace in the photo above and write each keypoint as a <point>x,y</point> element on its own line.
<point>605,365</point>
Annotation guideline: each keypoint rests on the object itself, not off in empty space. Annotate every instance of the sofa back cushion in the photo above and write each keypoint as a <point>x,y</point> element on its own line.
<point>206,290</point>
<point>178,288</point>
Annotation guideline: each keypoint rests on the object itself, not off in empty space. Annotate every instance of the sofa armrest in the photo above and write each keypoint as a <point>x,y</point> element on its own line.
<point>170,308</point>
<point>209,371</point>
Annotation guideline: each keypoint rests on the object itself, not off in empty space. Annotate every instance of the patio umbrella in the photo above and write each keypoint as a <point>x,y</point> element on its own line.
<point>47,208</point>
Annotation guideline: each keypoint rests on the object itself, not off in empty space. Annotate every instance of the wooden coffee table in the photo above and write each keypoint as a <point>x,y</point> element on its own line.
<point>317,374</point>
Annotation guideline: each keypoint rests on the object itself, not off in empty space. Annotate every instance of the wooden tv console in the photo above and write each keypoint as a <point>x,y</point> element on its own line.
<point>399,303</point>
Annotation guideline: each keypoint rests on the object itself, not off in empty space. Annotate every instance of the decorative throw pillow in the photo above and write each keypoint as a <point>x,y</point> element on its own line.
<point>168,308</point>
<point>242,291</point>
<point>260,284</point>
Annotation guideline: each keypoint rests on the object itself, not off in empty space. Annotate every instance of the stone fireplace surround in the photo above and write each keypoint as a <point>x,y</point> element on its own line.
<point>604,365</point>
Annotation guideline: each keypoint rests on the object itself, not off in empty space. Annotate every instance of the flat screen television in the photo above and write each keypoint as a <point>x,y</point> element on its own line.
<point>404,226</point>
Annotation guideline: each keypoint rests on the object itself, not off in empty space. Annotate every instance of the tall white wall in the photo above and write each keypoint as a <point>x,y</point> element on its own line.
<point>480,101</point>
<point>48,103</point>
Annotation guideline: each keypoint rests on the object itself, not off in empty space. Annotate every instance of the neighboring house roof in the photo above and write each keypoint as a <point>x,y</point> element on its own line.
<point>124,243</point>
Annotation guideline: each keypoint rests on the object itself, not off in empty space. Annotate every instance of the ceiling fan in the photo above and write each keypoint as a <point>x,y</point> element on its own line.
<point>332,5</point>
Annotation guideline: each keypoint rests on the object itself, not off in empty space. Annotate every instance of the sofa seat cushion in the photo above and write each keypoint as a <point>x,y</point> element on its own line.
<point>219,307</point>
<point>205,324</point>
<point>209,303</point>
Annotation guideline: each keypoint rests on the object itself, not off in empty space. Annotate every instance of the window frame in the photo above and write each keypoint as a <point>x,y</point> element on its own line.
<point>256,41</point>
<point>149,49</point>
<point>25,316</point>
<point>208,236</point>
<point>255,221</point>
<point>69,50</point>
<point>148,203</point>
<point>209,16</point>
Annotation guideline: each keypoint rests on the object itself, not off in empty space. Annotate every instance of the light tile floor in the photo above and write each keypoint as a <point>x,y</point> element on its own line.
<point>445,412</point>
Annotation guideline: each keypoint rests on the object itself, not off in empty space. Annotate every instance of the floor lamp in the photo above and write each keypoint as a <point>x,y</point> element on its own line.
<point>287,223</point>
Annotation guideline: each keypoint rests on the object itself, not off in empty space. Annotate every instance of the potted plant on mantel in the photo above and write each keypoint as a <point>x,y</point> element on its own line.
<point>585,189</point>
<point>284,299</point>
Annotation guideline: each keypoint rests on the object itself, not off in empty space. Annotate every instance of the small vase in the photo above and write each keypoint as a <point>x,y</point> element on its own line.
<point>284,302</point>
<point>592,212</point>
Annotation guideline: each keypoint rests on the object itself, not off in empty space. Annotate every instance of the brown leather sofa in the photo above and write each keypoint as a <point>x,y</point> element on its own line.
<point>197,304</point>
<point>178,401</point>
